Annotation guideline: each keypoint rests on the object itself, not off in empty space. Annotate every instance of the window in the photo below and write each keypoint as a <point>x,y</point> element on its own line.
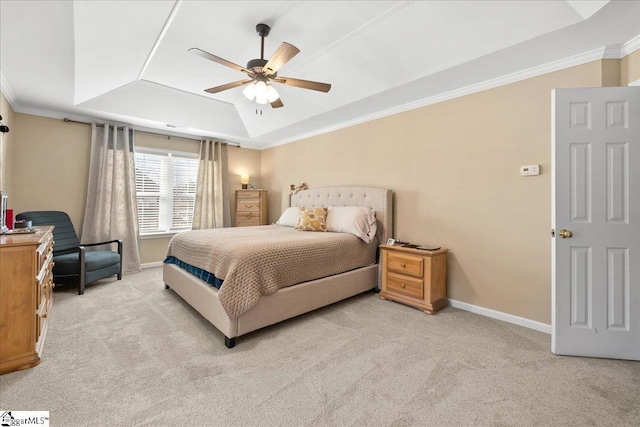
<point>166,190</point>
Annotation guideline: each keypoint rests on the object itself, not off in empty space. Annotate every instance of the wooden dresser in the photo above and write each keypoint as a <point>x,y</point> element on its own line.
<point>415,277</point>
<point>251,208</point>
<point>26,293</point>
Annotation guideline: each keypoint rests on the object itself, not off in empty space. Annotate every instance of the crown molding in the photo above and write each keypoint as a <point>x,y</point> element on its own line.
<point>550,67</point>
<point>88,120</point>
<point>54,115</point>
<point>630,46</point>
<point>611,52</point>
<point>8,93</point>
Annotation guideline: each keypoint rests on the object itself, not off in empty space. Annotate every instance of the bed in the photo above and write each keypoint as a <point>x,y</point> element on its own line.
<point>296,299</point>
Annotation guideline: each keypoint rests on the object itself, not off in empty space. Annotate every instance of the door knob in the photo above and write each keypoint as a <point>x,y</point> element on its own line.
<point>565,234</point>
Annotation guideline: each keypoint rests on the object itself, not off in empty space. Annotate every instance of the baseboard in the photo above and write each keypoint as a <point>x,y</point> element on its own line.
<point>151,264</point>
<point>516,320</point>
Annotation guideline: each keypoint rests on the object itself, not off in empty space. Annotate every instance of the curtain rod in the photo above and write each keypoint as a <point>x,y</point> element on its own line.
<point>150,133</point>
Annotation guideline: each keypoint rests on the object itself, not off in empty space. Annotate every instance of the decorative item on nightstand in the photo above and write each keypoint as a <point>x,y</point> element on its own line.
<point>244,180</point>
<point>415,277</point>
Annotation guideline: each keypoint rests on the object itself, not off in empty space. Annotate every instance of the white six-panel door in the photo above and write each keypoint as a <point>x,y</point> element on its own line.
<point>596,219</point>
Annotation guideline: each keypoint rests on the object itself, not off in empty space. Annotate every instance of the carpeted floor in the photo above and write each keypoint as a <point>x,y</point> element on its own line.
<point>131,353</point>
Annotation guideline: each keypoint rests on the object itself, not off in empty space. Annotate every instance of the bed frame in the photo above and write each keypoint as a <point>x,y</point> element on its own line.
<point>298,299</point>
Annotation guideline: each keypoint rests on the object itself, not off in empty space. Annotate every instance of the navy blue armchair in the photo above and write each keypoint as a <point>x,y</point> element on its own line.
<point>72,263</point>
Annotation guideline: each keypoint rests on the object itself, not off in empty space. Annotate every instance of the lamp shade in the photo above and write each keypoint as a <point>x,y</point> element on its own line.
<point>261,93</point>
<point>244,179</point>
<point>272,95</point>
<point>250,91</point>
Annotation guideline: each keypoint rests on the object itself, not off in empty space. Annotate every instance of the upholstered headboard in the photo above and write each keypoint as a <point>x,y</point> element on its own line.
<point>378,199</point>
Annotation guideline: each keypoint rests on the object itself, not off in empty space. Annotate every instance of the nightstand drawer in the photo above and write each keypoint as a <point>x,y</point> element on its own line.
<point>249,205</point>
<point>405,263</point>
<point>404,285</point>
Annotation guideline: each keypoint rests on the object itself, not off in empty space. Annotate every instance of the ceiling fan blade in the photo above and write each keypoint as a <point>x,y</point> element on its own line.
<point>281,56</point>
<point>277,103</point>
<point>227,86</point>
<point>219,60</point>
<point>305,84</point>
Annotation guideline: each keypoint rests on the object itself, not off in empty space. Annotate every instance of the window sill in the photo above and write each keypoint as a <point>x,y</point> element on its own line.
<point>160,235</point>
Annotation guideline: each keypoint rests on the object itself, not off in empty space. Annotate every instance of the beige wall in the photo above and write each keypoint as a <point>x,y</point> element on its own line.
<point>6,148</point>
<point>51,163</point>
<point>611,72</point>
<point>454,168</point>
<point>630,68</point>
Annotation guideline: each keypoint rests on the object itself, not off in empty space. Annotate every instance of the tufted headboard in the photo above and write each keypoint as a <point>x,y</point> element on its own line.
<point>378,199</point>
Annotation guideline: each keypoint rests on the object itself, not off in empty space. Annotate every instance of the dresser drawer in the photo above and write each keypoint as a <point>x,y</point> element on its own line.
<point>248,222</point>
<point>405,263</point>
<point>248,205</point>
<point>251,208</point>
<point>248,194</point>
<point>405,285</point>
<point>248,217</point>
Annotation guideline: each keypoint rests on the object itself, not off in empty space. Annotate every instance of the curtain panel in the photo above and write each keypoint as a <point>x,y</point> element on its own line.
<point>212,208</point>
<point>111,211</point>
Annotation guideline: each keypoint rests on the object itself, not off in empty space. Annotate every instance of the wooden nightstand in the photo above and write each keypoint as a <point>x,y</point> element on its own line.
<point>251,208</point>
<point>415,277</point>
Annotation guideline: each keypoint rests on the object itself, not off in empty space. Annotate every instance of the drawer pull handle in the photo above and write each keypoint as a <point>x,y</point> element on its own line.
<point>402,285</point>
<point>403,265</point>
<point>247,206</point>
<point>248,216</point>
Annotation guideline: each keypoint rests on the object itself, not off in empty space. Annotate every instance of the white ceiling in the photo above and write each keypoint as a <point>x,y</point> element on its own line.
<point>127,61</point>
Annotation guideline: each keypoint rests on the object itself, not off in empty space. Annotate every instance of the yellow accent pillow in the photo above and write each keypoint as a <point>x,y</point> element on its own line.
<point>312,219</point>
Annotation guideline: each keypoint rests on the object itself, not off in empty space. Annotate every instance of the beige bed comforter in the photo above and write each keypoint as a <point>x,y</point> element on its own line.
<point>256,261</point>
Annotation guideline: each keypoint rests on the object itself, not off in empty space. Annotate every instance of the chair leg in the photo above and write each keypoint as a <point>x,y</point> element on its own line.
<point>81,275</point>
<point>120,253</point>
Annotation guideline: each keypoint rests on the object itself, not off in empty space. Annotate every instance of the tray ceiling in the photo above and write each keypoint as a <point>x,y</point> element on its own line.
<point>127,61</point>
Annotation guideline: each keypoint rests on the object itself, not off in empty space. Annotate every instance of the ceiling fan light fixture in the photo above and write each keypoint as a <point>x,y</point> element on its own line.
<point>261,72</point>
<point>272,95</point>
<point>250,91</point>
<point>261,92</point>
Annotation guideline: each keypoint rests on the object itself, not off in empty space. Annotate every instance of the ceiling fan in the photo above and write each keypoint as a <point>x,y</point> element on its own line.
<point>261,72</point>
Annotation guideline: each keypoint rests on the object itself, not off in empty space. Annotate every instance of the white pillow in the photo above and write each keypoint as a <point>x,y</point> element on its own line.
<point>359,221</point>
<point>289,217</point>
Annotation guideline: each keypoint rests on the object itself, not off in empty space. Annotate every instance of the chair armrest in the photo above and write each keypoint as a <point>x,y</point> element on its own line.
<point>101,243</point>
<point>119,242</point>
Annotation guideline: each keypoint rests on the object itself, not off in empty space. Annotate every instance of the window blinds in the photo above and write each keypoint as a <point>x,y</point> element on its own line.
<point>165,188</point>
